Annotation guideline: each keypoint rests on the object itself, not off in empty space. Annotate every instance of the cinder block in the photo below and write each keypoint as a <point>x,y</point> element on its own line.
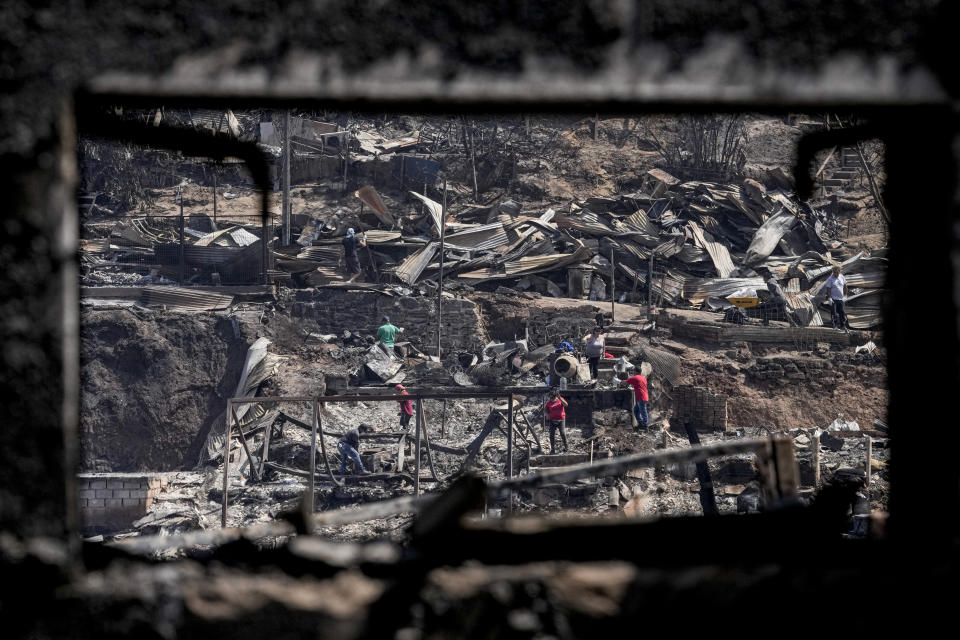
<point>95,502</point>
<point>88,493</point>
<point>132,484</point>
<point>113,503</point>
<point>95,514</point>
<point>121,493</point>
<point>132,502</point>
<point>114,483</point>
<point>83,503</point>
<point>98,484</point>
<point>104,493</point>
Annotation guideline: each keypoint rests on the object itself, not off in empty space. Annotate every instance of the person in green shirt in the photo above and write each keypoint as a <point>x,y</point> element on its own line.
<point>387,333</point>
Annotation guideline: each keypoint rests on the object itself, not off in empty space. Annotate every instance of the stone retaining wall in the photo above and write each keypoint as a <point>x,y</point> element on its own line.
<point>361,312</point>
<point>707,411</point>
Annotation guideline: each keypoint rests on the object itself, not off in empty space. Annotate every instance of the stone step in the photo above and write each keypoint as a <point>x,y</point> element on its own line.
<point>622,338</point>
<point>844,174</point>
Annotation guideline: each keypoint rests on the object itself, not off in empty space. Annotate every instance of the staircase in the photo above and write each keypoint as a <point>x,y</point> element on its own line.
<point>849,170</point>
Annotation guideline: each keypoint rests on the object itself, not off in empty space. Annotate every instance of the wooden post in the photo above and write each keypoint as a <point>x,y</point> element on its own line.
<point>346,158</point>
<point>183,264</point>
<point>613,289</point>
<point>285,208</point>
<point>591,451</point>
<point>473,165</point>
<point>510,447</point>
<point>214,197</point>
<point>650,285</point>
<point>815,457</point>
<point>869,453</point>
<point>226,463</point>
<point>443,227</point>
<point>416,455</point>
<point>315,426</point>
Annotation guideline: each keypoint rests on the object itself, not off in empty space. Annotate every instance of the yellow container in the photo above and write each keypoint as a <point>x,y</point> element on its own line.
<point>744,303</point>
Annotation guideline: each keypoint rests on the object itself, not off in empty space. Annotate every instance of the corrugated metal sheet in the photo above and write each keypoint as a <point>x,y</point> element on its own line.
<point>585,222</point>
<point>696,290</point>
<point>326,253</point>
<point>718,253</point>
<point>183,299</point>
<point>369,196</point>
<point>411,268</point>
<point>487,236</point>
<point>767,237</point>
<point>435,209</point>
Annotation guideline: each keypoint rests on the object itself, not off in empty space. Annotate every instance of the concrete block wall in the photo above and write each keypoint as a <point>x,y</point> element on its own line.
<point>707,411</point>
<point>361,311</point>
<point>110,501</point>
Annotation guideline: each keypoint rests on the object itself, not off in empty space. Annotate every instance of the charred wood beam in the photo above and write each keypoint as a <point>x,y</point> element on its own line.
<point>622,464</point>
<point>350,479</point>
<point>707,500</point>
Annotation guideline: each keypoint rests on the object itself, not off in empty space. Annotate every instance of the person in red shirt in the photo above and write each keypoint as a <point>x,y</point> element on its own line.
<point>406,407</point>
<point>557,417</point>
<point>641,397</point>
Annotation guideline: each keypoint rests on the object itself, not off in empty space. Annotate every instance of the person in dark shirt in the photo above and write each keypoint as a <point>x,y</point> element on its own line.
<point>350,244</point>
<point>349,446</point>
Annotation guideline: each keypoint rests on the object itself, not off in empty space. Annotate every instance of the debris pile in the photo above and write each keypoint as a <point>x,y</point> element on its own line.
<point>704,242</point>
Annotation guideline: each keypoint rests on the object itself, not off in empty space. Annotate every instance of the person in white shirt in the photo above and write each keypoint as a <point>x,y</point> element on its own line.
<point>836,288</point>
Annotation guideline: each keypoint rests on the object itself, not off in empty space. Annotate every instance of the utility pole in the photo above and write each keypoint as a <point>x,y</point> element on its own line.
<point>285,213</point>
<point>443,226</point>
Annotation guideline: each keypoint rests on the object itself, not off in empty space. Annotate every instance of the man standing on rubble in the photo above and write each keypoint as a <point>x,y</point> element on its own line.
<point>640,396</point>
<point>595,346</point>
<point>387,333</point>
<point>350,244</point>
<point>836,288</point>
<point>557,416</point>
<point>406,407</point>
<point>349,448</point>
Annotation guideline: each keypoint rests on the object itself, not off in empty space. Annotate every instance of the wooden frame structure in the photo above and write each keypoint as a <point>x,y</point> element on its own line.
<point>421,433</point>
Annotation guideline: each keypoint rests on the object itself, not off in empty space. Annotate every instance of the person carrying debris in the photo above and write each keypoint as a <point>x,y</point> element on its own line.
<point>641,397</point>
<point>387,333</point>
<point>406,407</point>
<point>595,346</point>
<point>349,446</point>
<point>350,244</point>
<point>836,287</point>
<point>557,416</point>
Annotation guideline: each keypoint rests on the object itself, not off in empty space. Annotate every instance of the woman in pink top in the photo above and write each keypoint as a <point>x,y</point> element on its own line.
<point>557,416</point>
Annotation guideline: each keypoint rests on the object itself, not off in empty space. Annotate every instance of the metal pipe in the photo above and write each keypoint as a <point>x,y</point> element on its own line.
<point>226,463</point>
<point>285,211</point>
<point>443,227</point>
<point>416,477</point>
<point>510,447</point>
<point>313,455</point>
<point>183,264</point>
